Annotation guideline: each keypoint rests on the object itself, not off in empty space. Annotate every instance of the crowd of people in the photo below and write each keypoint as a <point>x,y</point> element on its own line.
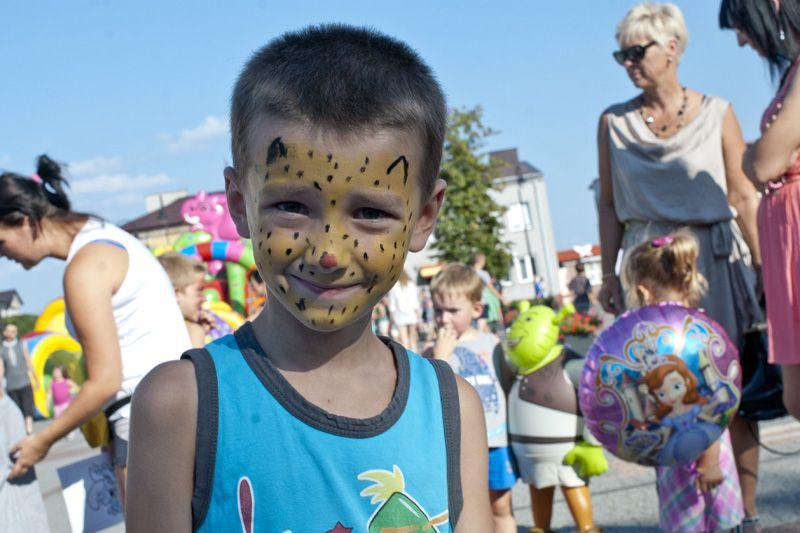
<point>334,185</point>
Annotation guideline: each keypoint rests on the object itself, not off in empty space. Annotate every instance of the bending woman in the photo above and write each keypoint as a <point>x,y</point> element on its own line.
<point>120,304</point>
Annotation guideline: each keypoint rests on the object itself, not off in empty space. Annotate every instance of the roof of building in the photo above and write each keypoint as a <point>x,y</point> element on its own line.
<point>578,253</point>
<point>511,165</point>
<point>7,297</point>
<point>168,216</point>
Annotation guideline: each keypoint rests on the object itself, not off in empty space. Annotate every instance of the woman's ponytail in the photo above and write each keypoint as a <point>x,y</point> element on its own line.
<point>53,182</point>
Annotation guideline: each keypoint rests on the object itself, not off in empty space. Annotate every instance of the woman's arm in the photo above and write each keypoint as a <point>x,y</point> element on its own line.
<point>476,515</point>
<point>90,280</point>
<point>610,227</point>
<point>161,453</point>
<point>770,156</point>
<point>742,195</point>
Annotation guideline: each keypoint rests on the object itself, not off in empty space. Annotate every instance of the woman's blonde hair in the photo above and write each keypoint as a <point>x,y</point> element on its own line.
<point>667,263</point>
<point>659,22</point>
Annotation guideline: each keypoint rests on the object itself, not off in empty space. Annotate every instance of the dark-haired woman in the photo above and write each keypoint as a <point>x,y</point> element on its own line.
<point>772,29</point>
<point>120,304</point>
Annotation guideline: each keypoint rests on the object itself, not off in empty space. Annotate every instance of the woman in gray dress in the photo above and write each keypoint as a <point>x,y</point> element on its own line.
<point>671,157</point>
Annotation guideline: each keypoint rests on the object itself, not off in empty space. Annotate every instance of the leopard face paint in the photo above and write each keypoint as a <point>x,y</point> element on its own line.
<point>331,228</point>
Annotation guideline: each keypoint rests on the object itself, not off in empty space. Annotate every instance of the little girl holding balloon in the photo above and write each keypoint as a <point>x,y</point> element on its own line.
<point>701,494</point>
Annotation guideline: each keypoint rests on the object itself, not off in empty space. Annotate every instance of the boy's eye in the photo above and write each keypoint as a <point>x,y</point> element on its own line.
<point>370,213</point>
<point>292,207</point>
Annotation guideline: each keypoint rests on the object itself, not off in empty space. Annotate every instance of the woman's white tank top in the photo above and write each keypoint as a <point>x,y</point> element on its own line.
<point>150,326</point>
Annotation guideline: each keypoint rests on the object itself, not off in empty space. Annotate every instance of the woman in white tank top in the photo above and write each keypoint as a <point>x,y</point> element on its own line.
<point>120,304</point>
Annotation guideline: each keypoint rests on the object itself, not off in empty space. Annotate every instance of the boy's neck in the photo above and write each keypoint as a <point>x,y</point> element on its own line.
<point>468,334</point>
<point>291,346</point>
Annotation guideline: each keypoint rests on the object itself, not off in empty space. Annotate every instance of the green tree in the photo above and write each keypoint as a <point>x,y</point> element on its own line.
<point>470,220</point>
<point>24,323</point>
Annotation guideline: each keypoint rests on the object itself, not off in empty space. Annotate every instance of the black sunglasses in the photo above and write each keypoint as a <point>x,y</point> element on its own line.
<point>634,53</point>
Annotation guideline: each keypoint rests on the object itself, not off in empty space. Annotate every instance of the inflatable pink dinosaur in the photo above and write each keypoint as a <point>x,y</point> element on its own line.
<point>209,213</point>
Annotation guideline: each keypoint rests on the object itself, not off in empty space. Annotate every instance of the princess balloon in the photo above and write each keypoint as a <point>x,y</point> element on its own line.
<point>660,385</point>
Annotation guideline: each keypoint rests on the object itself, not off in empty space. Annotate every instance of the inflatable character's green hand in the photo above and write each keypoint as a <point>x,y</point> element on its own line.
<point>588,459</point>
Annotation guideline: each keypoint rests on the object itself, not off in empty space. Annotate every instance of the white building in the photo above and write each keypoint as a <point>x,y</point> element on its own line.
<point>527,227</point>
<point>10,304</point>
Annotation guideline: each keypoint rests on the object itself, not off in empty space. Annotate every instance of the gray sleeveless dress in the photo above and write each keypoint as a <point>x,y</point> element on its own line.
<point>661,185</point>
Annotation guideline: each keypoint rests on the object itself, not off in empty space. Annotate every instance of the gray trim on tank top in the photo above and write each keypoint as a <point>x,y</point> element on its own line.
<point>451,416</point>
<point>205,453</point>
<point>314,416</point>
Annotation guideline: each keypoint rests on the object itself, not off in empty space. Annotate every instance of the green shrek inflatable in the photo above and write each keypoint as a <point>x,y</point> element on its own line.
<point>546,428</point>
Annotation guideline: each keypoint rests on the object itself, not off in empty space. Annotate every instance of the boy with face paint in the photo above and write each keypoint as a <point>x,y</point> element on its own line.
<point>304,420</point>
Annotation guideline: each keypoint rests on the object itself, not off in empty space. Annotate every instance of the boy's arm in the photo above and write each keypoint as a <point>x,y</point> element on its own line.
<point>505,374</point>
<point>161,453</point>
<point>476,515</point>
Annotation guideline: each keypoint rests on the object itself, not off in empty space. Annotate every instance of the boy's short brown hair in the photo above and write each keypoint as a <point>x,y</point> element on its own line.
<point>181,269</point>
<point>345,80</point>
<point>457,279</point>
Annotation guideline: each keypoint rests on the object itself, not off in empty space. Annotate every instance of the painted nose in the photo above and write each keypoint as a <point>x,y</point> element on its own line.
<point>328,261</point>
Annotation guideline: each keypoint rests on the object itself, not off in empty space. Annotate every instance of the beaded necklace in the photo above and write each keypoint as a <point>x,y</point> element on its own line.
<point>677,122</point>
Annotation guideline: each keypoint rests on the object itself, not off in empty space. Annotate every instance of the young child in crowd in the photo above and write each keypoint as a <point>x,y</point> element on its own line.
<point>304,420</point>
<point>186,275</point>
<point>456,292</point>
<point>702,495</point>
<point>21,505</point>
<point>61,390</point>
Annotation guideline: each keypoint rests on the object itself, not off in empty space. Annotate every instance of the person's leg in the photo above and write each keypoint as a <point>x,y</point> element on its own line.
<point>542,506</point>
<point>501,511</point>
<point>26,401</point>
<point>579,501</point>
<point>791,389</point>
<point>119,455</point>
<point>744,436</point>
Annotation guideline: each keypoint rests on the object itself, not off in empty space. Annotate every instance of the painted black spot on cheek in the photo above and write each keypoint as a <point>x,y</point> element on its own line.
<point>300,173</point>
<point>352,274</point>
<point>288,251</point>
<point>381,245</point>
<point>266,175</point>
<point>355,243</point>
<point>411,214</point>
<point>269,234</point>
<point>376,183</point>
<point>366,257</point>
<point>282,289</point>
<point>329,157</point>
<point>301,267</point>
<point>348,178</point>
<point>345,236</point>
<point>317,186</point>
<point>330,310</point>
<point>312,272</point>
<point>286,169</point>
<point>343,310</point>
<point>369,290</point>
<point>362,169</point>
<point>296,235</point>
<point>366,160</point>
<point>333,203</point>
<point>259,244</point>
<point>313,322</point>
<point>329,178</point>
<point>405,228</point>
<point>313,250</point>
<point>311,154</point>
<point>327,228</point>
<point>355,309</point>
<point>331,322</point>
<point>394,256</point>
<point>336,166</point>
<point>269,251</point>
<point>301,304</point>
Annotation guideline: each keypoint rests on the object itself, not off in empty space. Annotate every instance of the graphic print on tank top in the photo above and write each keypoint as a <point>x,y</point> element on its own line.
<point>473,368</point>
<point>397,511</point>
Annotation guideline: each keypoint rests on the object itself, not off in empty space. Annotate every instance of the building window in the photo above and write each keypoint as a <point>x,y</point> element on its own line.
<point>518,217</point>
<point>524,267</point>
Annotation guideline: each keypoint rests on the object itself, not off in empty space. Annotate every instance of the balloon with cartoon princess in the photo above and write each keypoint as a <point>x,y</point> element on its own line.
<point>660,385</point>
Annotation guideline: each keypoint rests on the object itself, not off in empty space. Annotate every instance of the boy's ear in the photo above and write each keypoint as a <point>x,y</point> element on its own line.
<point>477,310</point>
<point>429,212</point>
<point>236,201</point>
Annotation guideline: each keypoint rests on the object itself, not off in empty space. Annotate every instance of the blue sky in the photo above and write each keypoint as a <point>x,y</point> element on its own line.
<point>134,95</point>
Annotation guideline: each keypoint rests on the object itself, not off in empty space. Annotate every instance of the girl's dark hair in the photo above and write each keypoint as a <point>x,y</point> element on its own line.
<point>23,196</point>
<point>763,25</point>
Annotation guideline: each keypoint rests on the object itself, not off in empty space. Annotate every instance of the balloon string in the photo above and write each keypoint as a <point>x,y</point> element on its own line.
<point>771,450</point>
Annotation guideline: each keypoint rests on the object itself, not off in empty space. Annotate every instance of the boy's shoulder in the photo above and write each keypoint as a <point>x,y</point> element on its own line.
<point>166,392</point>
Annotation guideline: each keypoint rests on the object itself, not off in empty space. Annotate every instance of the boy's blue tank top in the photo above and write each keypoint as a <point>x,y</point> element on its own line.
<point>267,460</point>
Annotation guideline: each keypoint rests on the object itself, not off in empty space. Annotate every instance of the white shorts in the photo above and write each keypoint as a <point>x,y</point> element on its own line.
<point>542,465</point>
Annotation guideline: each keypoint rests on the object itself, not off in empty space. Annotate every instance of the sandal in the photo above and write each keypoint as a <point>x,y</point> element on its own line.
<point>750,524</point>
